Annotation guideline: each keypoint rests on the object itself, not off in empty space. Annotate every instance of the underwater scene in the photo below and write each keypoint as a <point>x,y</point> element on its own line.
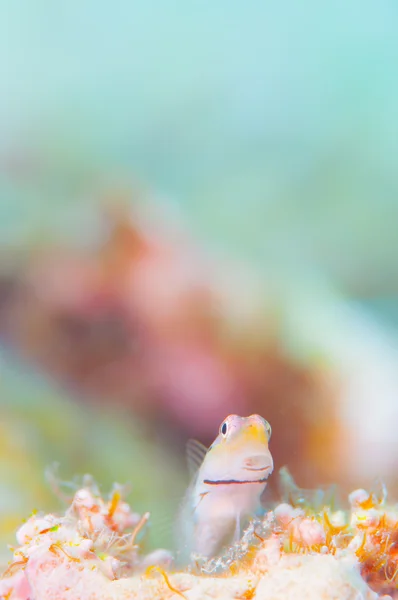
<point>198,300</point>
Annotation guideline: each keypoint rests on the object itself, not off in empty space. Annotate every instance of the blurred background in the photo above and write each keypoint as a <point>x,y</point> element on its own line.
<point>198,216</point>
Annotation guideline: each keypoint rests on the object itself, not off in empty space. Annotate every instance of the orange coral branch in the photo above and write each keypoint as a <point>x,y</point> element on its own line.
<point>114,504</point>
<point>166,579</point>
<point>139,526</point>
<point>54,548</point>
<point>14,566</point>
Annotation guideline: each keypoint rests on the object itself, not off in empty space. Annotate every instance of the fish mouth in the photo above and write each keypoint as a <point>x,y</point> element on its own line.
<point>259,463</point>
<point>258,469</point>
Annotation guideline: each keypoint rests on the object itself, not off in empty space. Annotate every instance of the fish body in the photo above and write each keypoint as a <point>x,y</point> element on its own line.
<point>228,484</point>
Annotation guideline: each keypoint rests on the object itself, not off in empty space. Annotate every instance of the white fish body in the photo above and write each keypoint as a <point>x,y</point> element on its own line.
<point>228,485</point>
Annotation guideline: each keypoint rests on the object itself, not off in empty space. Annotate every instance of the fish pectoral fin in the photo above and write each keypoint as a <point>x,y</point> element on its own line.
<point>195,454</point>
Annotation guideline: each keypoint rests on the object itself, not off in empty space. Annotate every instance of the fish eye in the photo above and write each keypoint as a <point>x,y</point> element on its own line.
<point>224,429</point>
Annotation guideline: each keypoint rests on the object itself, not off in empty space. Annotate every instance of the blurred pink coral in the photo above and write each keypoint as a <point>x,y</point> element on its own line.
<point>147,321</point>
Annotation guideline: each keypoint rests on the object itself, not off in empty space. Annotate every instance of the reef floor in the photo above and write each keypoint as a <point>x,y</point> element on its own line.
<point>296,551</point>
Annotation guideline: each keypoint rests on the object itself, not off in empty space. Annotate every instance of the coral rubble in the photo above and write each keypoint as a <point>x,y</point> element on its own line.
<point>293,552</point>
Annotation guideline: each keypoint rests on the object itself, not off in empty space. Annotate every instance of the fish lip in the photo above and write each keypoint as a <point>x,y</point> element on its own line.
<point>258,469</point>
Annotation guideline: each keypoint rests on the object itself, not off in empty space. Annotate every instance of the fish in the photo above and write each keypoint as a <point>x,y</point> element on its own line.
<point>228,481</point>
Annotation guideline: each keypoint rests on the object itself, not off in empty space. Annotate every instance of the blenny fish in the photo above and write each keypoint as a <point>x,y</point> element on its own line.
<point>228,481</point>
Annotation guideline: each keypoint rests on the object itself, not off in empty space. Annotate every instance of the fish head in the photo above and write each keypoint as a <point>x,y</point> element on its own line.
<point>240,451</point>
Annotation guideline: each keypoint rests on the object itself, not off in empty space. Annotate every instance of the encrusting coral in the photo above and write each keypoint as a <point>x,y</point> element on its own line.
<point>295,551</point>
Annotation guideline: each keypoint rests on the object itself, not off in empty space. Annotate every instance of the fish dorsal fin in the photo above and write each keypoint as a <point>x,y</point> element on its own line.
<point>195,452</point>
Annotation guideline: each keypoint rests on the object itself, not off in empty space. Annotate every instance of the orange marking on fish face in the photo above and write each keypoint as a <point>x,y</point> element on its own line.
<point>254,432</point>
<point>263,423</point>
<point>237,431</point>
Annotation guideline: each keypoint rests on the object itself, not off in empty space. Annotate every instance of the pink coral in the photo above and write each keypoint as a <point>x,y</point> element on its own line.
<point>91,553</point>
<point>89,544</point>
